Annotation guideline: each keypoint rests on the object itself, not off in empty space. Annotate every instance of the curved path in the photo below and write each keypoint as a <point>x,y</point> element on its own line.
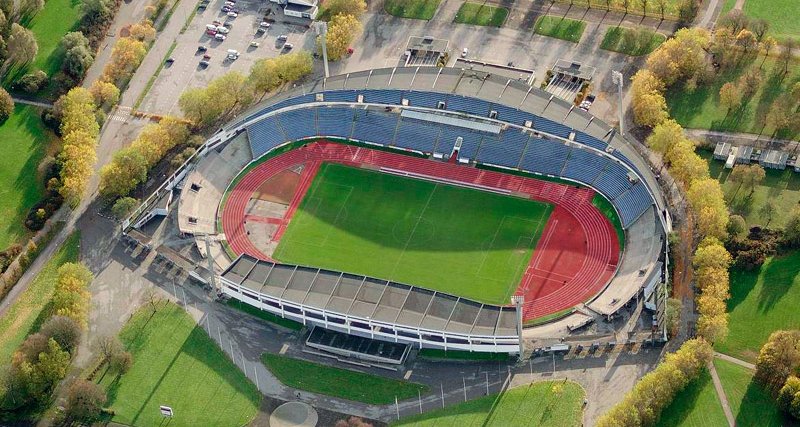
<point>575,258</point>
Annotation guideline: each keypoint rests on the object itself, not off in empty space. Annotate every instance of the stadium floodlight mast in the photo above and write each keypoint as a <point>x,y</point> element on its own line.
<point>517,300</point>
<point>618,80</point>
<point>321,28</point>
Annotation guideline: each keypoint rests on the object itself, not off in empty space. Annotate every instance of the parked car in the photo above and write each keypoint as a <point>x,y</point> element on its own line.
<point>211,32</point>
<point>204,64</point>
<point>232,14</point>
<point>217,23</point>
<point>254,44</point>
<point>260,30</point>
<point>169,61</point>
<point>226,9</point>
<point>201,48</point>
<point>228,24</point>
<point>206,57</point>
<point>223,30</point>
<point>464,52</point>
<point>220,37</point>
<point>288,46</point>
<point>264,25</point>
<point>201,7</point>
<point>282,38</point>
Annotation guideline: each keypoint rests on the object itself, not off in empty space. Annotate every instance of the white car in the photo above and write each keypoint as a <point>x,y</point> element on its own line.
<point>264,25</point>
<point>464,53</point>
<point>223,30</point>
<point>254,44</point>
<point>220,37</point>
<point>232,14</point>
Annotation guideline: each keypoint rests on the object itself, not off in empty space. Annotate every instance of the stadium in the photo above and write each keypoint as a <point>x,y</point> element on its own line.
<point>431,207</point>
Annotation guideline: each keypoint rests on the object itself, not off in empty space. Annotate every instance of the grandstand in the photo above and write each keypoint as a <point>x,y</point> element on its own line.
<point>501,124</point>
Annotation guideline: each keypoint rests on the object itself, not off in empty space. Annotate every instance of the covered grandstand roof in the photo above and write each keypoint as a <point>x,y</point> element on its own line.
<point>370,298</point>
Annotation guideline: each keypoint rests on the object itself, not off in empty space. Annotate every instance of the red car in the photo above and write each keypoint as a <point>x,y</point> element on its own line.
<point>211,32</point>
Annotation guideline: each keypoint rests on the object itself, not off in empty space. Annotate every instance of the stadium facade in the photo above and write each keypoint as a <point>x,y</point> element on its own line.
<point>475,117</point>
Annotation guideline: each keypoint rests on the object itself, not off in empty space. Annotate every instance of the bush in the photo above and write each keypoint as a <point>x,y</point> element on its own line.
<point>85,401</point>
<point>123,207</point>
<point>32,82</point>
<point>44,209</point>
<point>7,256</point>
<point>6,105</point>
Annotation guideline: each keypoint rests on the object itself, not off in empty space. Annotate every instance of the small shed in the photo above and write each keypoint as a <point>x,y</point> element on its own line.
<point>744,155</point>
<point>722,151</point>
<point>774,159</point>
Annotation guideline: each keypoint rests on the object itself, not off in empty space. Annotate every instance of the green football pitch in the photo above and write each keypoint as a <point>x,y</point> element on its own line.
<point>460,241</point>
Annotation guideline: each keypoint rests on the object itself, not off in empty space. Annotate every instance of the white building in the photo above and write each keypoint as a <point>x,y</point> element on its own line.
<point>299,8</point>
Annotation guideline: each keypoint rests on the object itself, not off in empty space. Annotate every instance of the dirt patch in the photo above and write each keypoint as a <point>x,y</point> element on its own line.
<point>281,187</point>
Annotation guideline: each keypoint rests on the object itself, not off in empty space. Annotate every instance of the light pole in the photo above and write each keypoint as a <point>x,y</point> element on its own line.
<point>322,31</point>
<point>517,300</point>
<point>617,78</point>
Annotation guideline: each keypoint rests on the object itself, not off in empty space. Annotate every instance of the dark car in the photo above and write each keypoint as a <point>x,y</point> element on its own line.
<point>201,48</point>
<point>169,61</point>
<point>204,64</point>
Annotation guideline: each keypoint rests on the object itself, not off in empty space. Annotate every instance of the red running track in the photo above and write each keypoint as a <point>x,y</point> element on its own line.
<point>575,257</point>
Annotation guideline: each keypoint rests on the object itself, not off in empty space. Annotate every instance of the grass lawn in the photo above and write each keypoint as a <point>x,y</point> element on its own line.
<point>750,403</point>
<point>560,28</point>
<point>58,17</point>
<point>414,9</point>
<point>781,14</point>
<point>781,187</point>
<point>696,406</point>
<point>32,308</point>
<point>416,232</point>
<point>701,109</point>
<point>604,206</point>
<point>341,383</point>
<point>25,143</point>
<point>533,405</point>
<point>761,302</point>
<point>481,14</point>
<point>264,315</point>
<point>630,41</point>
<point>175,363</point>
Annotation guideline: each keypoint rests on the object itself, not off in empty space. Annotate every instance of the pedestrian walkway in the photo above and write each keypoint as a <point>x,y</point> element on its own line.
<point>723,399</point>
<point>735,360</point>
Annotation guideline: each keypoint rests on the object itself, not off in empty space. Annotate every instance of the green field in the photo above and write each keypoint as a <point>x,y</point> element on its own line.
<point>264,315</point>
<point>465,242</point>
<point>750,403</point>
<point>536,404</point>
<point>175,363</point>
<point>781,14</point>
<point>780,187</point>
<point>433,353</point>
<point>761,302</point>
<point>630,41</point>
<point>696,406</point>
<point>635,7</point>
<point>560,28</point>
<point>481,14</point>
<point>24,141</point>
<point>414,9</point>
<point>701,108</point>
<point>342,383</point>
<point>32,307</point>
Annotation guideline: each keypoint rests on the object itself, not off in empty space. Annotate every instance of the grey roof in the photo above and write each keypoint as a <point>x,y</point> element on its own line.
<point>371,298</point>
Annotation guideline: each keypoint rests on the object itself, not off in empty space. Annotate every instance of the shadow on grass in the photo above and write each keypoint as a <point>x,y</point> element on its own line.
<point>778,276</point>
<point>685,401</point>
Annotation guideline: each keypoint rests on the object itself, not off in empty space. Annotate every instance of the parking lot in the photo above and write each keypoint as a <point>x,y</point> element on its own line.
<point>187,72</point>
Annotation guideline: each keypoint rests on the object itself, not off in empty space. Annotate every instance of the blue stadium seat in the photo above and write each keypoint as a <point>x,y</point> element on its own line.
<point>551,127</point>
<point>340,96</point>
<point>613,181</point>
<point>464,104</point>
<point>264,136</point>
<point>506,151</point>
<point>591,141</point>
<point>633,203</point>
<point>416,135</point>
<point>335,121</point>
<point>584,165</point>
<point>545,156</point>
<point>447,139</point>
<point>423,99</point>
<point>391,97</point>
<point>375,126</point>
<point>512,115</point>
<point>299,124</point>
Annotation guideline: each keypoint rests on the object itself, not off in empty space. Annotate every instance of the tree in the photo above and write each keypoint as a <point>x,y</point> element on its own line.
<point>342,30</point>
<point>729,96</point>
<point>197,106</point>
<point>48,370</point>
<point>270,73</point>
<point>749,83</point>
<point>71,297</point>
<point>736,20</point>
<point>789,396</point>
<point>767,211</point>
<point>736,225</point>
<point>77,61</point>
<point>143,31</point>
<point>649,109</point>
<point>662,7</point>
<point>73,39</point>
<point>791,231</point>
<point>766,46</point>
<point>127,170</point>
<point>32,82</point>
<point>96,10</point>
<point>759,27</point>
<point>27,9</point>
<point>121,362</point>
<point>151,298</point>
<point>713,328</point>
<point>85,400</point>
<point>123,207</point>
<point>22,47</point>
<point>125,57</point>
<point>786,55</point>
<point>64,330</point>
<point>664,136</point>
<point>347,7</point>
<point>673,315</point>
<point>778,359</point>
<point>109,347</point>
<point>747,176</point>
<point>105,94</point>
<point>6,105</point>
<point>687,166</point>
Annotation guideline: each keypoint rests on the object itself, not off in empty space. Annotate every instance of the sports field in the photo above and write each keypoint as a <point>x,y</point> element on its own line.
<point>465,242</point>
